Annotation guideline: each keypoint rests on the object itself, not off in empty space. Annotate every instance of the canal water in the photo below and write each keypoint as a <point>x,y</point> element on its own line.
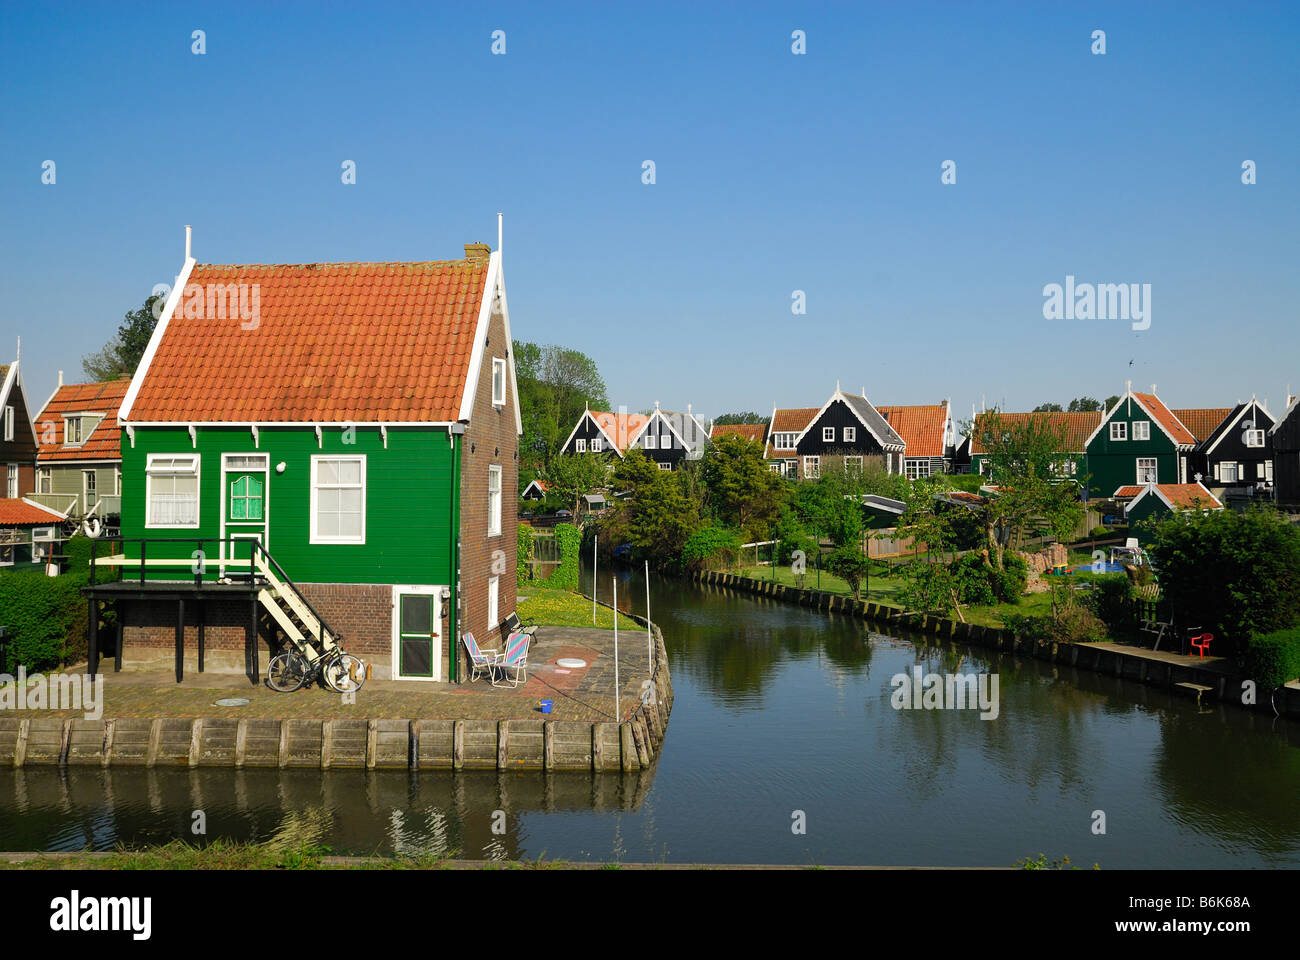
<point>783,747</point>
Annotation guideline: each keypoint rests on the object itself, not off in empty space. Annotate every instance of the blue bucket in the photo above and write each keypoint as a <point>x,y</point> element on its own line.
<point>546,706</point>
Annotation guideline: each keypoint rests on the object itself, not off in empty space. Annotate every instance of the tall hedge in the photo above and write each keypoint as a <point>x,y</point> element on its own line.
<point>1273,659</point>
<point>569,541</point>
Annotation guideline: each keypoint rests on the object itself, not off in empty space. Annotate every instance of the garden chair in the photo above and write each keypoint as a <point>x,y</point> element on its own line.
<point>514,659</point>
<point>512,625</point>
<point>480,661</point>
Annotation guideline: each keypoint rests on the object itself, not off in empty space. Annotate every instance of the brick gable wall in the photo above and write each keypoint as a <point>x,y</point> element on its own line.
<point>490,438</point>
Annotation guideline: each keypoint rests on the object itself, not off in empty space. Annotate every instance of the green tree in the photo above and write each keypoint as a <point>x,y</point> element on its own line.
<point>569,478</point>
<point>1236,574</point>
<point>659,515</point>
<point>747,416</point>
<point>849,564</point>
<point>1084,405</point>
<point>743,492</point>
<point>1110,402</point>
<point>120,356</point>
<point>556,384</point>
<point>1047,408</point>
<point>1027,458</point>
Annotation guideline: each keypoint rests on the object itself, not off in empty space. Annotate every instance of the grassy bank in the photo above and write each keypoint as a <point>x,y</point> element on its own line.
<point>885,589</point>
<point>560,608</point>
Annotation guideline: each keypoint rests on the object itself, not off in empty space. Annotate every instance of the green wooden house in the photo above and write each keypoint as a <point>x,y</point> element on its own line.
<point>1074,429</point>
<point>1139,441</point>
<point>1156,500</point>
<point>359,422</point>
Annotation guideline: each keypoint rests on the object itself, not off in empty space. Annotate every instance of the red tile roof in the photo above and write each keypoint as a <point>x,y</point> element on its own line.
<point>790,420</point>
<point>921,427</point>
<point>621,428</point>
<point>337,342</point>
<point>104,441</point>
<point>750,431</point>
<point>1183,496</point>
<point>20,513</point>
<point>1202,421</point>
<point>1165,417</point>
<point>1076,427</point>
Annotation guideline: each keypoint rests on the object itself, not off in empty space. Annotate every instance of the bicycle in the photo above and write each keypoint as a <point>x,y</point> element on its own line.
<point>290,671</point>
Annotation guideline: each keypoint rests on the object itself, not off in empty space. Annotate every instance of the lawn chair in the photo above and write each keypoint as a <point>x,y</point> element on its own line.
<point>514,659</point>
<point>480,661</point>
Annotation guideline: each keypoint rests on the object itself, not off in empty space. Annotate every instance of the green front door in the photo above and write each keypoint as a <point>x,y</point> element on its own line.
<point>244,505</point>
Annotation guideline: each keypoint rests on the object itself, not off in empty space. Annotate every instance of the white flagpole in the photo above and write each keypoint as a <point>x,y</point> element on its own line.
<point>618,709</point>
<point>594,540</point>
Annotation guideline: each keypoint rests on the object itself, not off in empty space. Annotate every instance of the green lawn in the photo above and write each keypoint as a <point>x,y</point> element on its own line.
<point>560,608</point>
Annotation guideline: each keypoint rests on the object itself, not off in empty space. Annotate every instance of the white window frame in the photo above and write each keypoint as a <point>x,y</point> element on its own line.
<point>853,462</point>
<point>494,501</point>
<point>498,373</point>
<point>596,445</point>
<point>664,466</point>
<point>1155,469</point>
<point>650,441</point>
<point>1141,429</point>
<point>493,604</point>
<point>1255,435</point>
<point>914,468</point>
<point>11,481</point>
<point>148,489</point>
<point>315,537</point>
<point>117,481</point>
<point>45,479</point>
<point>665,441</point>
<point>580,446</point>
<point>1268,470</point>
<point>9,423</point>
<point>812,467</point>
<point>783,441</point>
<point>828,434</point>
<point>89,484</point>
<point>850,434</point>
<point>1229,466</point>
<point>1119,430</point>
<point>45,535</point>
<point>81,435</point>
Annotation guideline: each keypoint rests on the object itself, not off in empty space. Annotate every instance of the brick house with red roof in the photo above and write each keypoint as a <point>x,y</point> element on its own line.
<point>358,421</point>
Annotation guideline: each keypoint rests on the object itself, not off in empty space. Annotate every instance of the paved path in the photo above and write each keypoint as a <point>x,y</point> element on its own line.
<point>146,687</point>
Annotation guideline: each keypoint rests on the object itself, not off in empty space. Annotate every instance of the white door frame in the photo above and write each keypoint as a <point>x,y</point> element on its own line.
<point>421,589</point>
<point>261,529</point>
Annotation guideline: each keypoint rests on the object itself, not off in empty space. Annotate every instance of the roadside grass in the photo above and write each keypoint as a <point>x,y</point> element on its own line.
<point>560,608</point>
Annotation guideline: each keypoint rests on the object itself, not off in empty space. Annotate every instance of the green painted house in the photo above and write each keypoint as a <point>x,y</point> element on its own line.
<point>1139,441</point>
<point>359,422</point>
<point>1157,500</point>
<point>1073,428</point>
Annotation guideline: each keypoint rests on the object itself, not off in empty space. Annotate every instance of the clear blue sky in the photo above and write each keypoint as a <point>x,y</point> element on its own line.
<point>775,173</point>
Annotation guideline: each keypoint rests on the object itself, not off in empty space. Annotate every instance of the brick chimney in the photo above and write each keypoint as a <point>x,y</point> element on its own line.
<point>477,251</point>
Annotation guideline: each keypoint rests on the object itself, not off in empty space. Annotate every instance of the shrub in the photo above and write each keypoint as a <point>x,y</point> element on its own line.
<point>569,541</point>
<point>1112,601</point>
<point>973,580</point>
<point>1009,582</point>
<point>1099,532</point>
<point>710,548</point>
<point>524,553</point>
<point>849,565</point>
<point>1236,573</point>
<point>1273,659</point>
<point>1076,624</point>
<point>44,618</point>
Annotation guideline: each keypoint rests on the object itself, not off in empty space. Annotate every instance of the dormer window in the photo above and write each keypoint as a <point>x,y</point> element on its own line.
<point>72,432</point>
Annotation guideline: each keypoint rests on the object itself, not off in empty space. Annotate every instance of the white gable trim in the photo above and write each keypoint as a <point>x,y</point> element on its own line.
<point>659,414</point>
<point>586,415</point>
<point>159,331</point>
<point>14,378</point>
<point>1130,395</point>
<point>1237,419</point>
<point>494,286</point>
<point>887,445</point>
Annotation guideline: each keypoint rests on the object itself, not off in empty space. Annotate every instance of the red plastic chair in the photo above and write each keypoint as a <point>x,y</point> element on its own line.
<point>1201,643</point>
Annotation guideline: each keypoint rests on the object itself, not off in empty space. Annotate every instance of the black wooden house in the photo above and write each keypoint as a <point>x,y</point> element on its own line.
<point>848,433</point>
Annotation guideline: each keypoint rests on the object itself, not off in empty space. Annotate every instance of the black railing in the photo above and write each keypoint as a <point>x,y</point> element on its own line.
<point>200,564</point>
<point>279,572</point>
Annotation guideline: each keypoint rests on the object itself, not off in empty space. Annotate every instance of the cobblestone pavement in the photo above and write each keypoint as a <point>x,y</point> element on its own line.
<point>146,687</point>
